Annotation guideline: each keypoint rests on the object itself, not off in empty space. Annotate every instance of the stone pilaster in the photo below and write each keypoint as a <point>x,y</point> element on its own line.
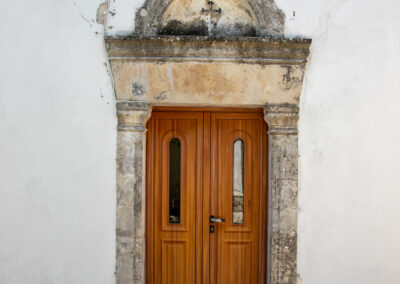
<point>283,171</point>
<point>130,234</point>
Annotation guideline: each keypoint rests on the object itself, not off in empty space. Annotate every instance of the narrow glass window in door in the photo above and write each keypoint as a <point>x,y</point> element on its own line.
<point>238,190</point>
<point>175,181</point>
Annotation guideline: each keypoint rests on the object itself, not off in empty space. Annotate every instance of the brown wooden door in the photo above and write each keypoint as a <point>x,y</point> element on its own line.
<point>238,197</point>
<point>200,164</point>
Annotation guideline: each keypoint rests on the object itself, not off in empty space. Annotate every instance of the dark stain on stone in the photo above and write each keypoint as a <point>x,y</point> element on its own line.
<point>270,19</point>
<point>138,90</point>
<point>200,28</point>
<point>137,187</point>
<point>288,80</point>
<point>288,75</point>
<point>234,30</point>
<point>175,27</point>
<point>162,96</point>
<point>245,30</point>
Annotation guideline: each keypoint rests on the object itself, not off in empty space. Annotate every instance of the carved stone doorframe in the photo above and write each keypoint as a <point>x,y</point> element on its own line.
<point>142,70</point>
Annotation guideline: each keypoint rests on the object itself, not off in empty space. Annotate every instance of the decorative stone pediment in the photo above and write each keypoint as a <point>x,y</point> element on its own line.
<point>222,18</point>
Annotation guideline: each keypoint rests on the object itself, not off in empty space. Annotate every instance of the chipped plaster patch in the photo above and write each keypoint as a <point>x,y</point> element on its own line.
<point>101,13</point>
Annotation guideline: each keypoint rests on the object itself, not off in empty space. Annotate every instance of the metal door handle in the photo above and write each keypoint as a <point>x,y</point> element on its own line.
<point>216,220</point>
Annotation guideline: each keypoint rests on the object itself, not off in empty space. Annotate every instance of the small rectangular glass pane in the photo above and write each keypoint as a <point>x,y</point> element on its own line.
<point>175,181</point>
<point>238,190</point>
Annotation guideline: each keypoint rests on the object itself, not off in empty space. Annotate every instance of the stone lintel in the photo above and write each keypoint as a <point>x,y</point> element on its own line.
<point>203,48</point>
<point>282,118</point>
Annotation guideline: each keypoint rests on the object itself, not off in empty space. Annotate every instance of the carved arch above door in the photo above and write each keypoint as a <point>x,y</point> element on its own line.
<point>269,18</point>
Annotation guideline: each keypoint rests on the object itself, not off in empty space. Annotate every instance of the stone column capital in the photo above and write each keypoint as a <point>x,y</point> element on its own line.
<point>132,115</point>
<point>281,118</point>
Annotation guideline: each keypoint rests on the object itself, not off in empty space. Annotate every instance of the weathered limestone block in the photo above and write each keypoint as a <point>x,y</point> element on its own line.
<point>283,169</point>
<point>130,229</point>
<point>138,259</point>
<point>227,82</point>
<point>288,194</point>
<point>130,203</point>
<point>207,71</point>
<point>124,270</point>
<point>284,268</point>
<point>130,260</point>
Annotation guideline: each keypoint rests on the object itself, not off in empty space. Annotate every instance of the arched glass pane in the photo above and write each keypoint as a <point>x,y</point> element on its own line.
<point>175,181</point>
<point>238,187</point>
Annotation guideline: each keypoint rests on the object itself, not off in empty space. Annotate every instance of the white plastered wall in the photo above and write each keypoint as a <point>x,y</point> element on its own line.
<point>57,145</point>
<point>58,140</point>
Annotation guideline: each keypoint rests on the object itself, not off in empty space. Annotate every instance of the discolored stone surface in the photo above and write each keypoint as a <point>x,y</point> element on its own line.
<point>223,72</point>
<point>265,50</point>
<point>227,18</point>
<point>283,164</point>
<point>130,228</point>
<point>264,15</point>
<point>124,261</point>
<point>212,83</point>
<point>176,27</point>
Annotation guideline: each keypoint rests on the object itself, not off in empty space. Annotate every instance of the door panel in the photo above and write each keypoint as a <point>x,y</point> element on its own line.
<point>236,192</point>
<point>199,164</point>
<point>174,197</point>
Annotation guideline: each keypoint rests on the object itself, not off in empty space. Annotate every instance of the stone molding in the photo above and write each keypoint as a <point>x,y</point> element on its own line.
<point>281,118</point>
<point>192,48</point>
<point>132,115</point>
<point>270,19</point>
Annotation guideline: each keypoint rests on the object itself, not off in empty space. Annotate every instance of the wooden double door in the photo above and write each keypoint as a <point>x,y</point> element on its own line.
<point>206,197</point>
